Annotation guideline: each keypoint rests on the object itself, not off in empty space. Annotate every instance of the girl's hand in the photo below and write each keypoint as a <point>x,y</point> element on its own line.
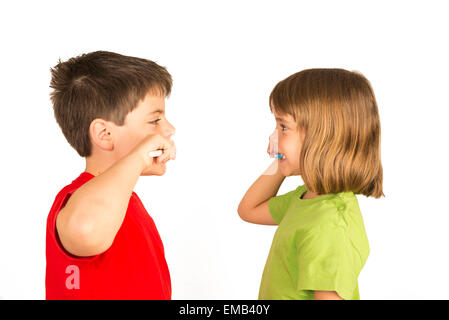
<point>272,149</point>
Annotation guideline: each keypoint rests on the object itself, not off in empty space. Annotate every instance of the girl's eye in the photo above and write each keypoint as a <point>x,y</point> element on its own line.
<point>283,127</point>
<point>155,121</point>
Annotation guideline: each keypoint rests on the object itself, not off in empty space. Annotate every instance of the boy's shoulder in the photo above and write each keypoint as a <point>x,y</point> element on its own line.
<point>67,190</point>
<point>77,182</point>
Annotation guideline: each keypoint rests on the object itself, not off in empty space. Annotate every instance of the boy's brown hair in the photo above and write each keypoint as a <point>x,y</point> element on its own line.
<point>104,85</point>
<point>338,112</point>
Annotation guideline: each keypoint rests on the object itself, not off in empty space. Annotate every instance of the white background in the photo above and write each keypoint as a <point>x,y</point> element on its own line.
<point>225,58</point>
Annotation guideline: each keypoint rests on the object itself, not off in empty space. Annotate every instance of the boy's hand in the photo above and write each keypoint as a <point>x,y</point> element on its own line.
<point>155,165</point>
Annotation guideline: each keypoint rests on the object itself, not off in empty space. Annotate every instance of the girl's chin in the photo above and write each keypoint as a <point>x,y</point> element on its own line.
<point>287,172</point>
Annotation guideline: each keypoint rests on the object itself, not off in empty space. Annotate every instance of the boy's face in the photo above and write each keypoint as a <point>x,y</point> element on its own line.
<point>290,142</point>
<point>147,118</point>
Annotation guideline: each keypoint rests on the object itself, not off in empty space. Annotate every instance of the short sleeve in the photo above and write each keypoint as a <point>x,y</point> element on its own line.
<point>327,261</point>
<point>278,205</point>
<point>58,205</point>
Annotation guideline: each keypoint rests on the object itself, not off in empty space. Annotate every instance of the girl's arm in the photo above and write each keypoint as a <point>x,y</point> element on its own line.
<point>326,295</point>
<point>254,205</point>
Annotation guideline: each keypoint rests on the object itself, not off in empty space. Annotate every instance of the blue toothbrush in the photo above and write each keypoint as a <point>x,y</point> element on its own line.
<point>279,156</point>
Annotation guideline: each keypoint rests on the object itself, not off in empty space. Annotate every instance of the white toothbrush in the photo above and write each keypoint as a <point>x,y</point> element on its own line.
<point>156,153</point>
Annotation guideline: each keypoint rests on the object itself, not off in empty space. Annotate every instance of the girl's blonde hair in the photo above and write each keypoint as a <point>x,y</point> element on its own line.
<point>337,110</point>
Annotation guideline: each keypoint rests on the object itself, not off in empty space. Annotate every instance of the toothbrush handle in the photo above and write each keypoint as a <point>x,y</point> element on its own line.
<point>155,153</point>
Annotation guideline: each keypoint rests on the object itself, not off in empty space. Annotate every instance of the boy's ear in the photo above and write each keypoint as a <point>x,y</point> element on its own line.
<point>101,134</point>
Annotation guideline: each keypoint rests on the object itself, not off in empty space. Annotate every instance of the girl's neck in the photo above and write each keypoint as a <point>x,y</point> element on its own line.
<point>310,195</point>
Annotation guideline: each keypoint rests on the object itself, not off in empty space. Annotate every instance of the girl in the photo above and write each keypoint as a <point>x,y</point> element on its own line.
<point>328,131</point>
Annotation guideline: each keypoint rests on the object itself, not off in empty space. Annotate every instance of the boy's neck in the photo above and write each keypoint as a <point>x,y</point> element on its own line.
<point>96,166</point>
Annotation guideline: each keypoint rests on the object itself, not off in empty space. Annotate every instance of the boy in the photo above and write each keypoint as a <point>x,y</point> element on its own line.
<point>101,243</point>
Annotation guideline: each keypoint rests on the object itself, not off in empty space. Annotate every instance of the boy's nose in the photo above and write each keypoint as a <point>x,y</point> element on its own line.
<point>169,130</point>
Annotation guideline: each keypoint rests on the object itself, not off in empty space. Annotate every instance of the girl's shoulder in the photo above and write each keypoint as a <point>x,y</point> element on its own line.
<point>330,210</point>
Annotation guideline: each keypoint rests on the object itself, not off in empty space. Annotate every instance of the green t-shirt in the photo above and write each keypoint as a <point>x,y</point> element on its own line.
<point>320,244</point>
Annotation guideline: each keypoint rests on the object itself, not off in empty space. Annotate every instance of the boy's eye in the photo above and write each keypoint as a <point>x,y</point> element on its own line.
<point>155,121</point>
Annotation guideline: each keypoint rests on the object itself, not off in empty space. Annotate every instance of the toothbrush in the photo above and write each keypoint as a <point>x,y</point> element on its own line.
<point>156,153</point>
<point>279,156</point>
<point>273,146</point>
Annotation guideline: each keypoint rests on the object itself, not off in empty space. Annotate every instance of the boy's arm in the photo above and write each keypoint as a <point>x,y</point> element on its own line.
<point>88,223</point>
<point>93,214</point>
<point>254,205</point>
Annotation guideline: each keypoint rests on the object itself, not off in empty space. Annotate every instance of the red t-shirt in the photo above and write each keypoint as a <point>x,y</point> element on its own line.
<point>133,267</point>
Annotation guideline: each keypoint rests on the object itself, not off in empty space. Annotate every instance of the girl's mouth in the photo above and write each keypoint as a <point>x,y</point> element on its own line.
<point>280,156</point>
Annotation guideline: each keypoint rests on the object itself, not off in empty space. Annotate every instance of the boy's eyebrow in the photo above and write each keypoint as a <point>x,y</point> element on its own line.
<point>156,111</point>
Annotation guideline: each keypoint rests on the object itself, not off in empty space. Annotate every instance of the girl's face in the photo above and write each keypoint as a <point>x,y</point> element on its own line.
<point>290,141</point>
